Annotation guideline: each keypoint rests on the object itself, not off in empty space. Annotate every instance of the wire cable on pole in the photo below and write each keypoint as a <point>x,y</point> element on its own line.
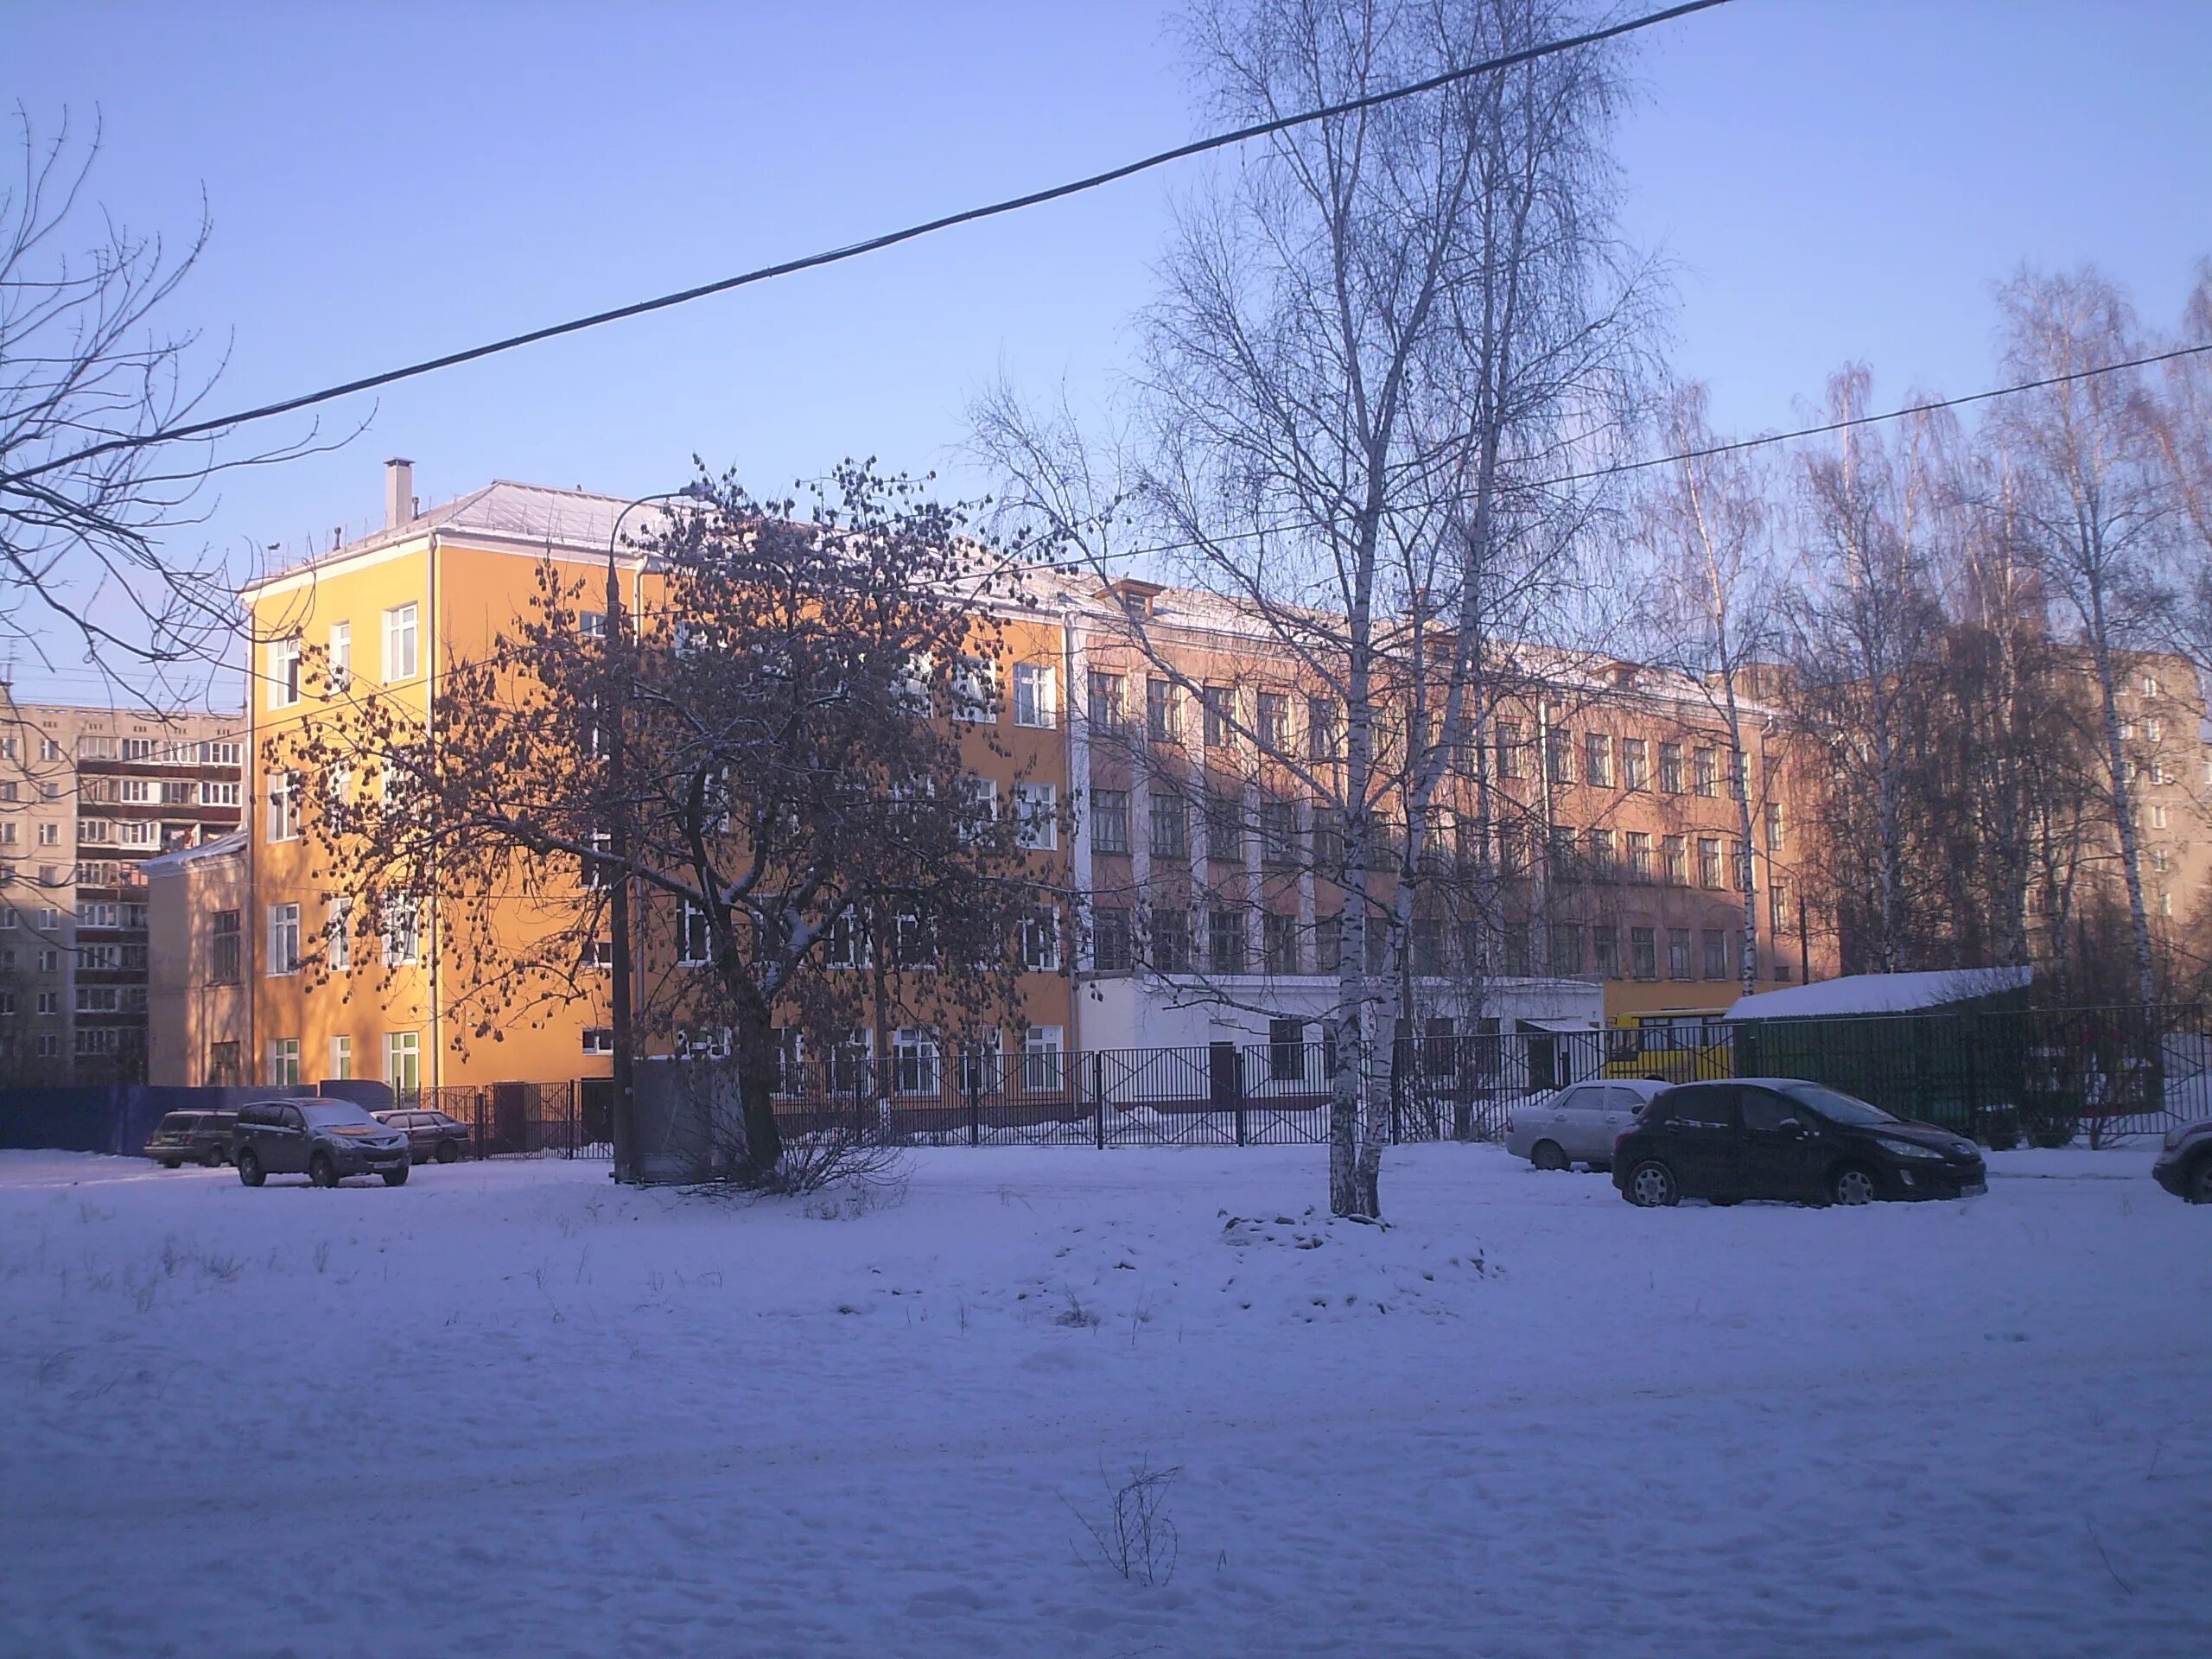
<point>872,245</point>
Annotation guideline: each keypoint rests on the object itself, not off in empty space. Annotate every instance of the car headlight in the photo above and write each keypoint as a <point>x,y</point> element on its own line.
<point>1905,1149</point>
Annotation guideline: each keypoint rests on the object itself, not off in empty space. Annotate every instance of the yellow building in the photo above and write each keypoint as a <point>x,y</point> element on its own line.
<point>378,618</point>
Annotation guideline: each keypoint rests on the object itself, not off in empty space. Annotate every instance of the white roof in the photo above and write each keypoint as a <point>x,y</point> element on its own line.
<point>1879,993</point>
<point>168,863</point>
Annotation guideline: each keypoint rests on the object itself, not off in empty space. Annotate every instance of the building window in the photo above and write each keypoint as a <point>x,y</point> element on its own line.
<point>1273,722</point>
<point>1278,834</point>
<point>1673,849</point>
<point>402,932</point>
<point>1777,907</point>
<point>1036,695</point>
<point>284,671</point>
<point>284,940</point>
<point>1110,706</point>
<point>1224,826</point>
<point>1111,943</point>
<point>1605,863</point>
<point>1286,1051</point>
<point>1037,812</point>
<point>975,691</point>
<point>1279,939</point>
<point>1566,943</point>
<point>1678,953</point>
<point>1509,748</point>
<point>1559,756</point>
<point>1040,941</point>
<point>341,1057</point>
<point>914,1061</point>
<point>1639,856</point>
<point>341,656</point>
<point>1324,740</point>
<point>1605,951</point>
<point>1328,943</point>
<point>1160,722</point>
<point>1171,825</point>
<point>599,1039</point>
<point>1225,939</point>
<point>224,1069</point>
<point>402,1062</point>
<point>1042,1069</point>
<point>1598,759</point>
<point>1739,868</point>
<point>2157,818</point>
<point>847,945</point>
<point>337,937</point>
<point>284,1063</point>
<point>694,938</point>
<point>283,805</point>
<point>1217,727</point>
<point>1170,941</point>
<point>1670,768</point>
<point>138,832</point>
<point>1775,833</point>
<point>1110,820</point>
<point>1636,763</point>
<point>1715,943</point>
<point>400,640</point>
<point>219,794</point>
<point>1705,775</point>
<point>1708,861</point>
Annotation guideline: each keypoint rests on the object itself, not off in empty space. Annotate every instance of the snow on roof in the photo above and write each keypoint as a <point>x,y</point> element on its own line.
<point>1879,993</point>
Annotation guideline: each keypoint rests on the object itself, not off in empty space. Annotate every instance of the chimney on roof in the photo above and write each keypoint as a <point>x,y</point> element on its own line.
<point>398,492</point>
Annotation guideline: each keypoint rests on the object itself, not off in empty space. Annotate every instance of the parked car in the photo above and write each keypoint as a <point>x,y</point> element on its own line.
<point>200,1137</point>
<point>323,1139</point>
<point>1784,1138</point>
<point>1579,1125</point>
<point>2185,1165</point>
<point>429,1135</point>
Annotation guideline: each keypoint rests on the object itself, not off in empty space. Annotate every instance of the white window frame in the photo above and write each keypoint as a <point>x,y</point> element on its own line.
<point>916,1061</point>
<point>402,932</point>
<point>1036,695</point>
<point>599,1039</point>
<point>341,1056</point>
<point>1044,1058</point>
<point>976,691</point>
<point>281,661</point>
<point>341,656</point>
<point>283,1063</point>
<point>1040,941</point>
<point>1037,816</point>
<point>283,805</point>
<point>283,941</point>
<point>403,1062</point>
<point>402,627</point>
<point>338,935</point>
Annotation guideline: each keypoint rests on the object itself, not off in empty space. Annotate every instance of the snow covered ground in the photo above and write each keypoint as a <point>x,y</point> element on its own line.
<point>511,1409</point>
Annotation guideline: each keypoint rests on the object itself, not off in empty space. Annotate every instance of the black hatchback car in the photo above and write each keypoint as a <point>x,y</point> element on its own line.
<point>429,1135</point>
<point>192,1138</point>
<point>1783,1138</point>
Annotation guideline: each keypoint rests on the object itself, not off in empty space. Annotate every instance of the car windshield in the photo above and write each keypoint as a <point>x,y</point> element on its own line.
<point>330,1115</point>
<point>1837,1107</point>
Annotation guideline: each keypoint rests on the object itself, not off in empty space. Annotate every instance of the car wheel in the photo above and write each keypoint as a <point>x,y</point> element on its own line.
<point>398,1177</point>
<point>321,1171</point>
<point>1651,1186</point>
<point>2198,1188</point>
<point>1547,1154</point>
<point>213,1157</point>
<point>250,1171</point>
<point>1854,1185</point>
<point>448,1152</point>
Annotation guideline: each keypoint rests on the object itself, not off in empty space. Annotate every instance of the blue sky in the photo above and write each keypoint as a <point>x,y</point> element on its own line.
<point>1833,178</point>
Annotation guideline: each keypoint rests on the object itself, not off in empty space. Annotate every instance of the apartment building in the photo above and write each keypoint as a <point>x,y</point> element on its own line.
<point>1587,862</point>
<point>2167,734</point>
<point>86,797</point>
<point>377,619</point>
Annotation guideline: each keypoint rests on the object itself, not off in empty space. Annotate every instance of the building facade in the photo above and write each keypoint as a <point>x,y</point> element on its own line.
<point>377,619</point>
<point>86,797</point>
<point>196,994</point>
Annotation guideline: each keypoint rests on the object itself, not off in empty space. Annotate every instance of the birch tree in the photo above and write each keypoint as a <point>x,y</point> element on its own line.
<point>2092,511</point>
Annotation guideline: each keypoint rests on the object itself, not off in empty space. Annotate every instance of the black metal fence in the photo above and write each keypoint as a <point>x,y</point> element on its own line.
<point>2038,1075</point>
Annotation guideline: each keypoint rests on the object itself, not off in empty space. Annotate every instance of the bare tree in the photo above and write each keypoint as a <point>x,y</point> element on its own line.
<point>1864,620</point>
<point>2181,416</point>
<point>1715,607</point>
<point>2092,511</point>
<point>89,563</point>
<point>1374,337</point>
<point>794,798</point>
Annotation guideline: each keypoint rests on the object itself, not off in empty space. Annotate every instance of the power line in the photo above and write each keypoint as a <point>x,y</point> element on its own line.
<point>1646,462</point>
<point>872,245</point>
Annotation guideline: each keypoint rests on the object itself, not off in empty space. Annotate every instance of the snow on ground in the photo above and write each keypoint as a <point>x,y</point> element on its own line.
<point>511,1408</point>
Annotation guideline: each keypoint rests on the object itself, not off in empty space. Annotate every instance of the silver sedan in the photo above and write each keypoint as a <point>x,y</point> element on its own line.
<point>1579,1124</point>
